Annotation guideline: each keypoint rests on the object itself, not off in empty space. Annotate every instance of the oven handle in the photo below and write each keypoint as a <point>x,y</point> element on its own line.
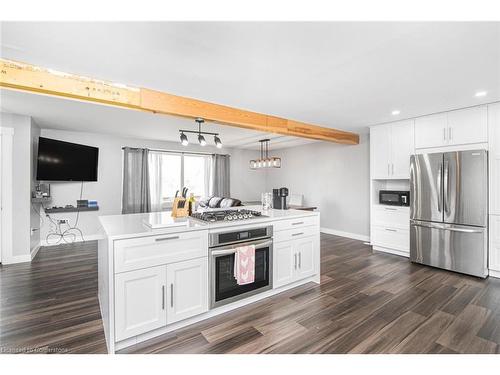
<point>232,248</point>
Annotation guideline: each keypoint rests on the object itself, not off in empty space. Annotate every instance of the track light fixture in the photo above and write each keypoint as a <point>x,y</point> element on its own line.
<point>201,138</point>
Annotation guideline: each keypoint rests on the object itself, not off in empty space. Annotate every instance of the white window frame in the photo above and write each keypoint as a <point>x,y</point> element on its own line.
<point>167,202</point>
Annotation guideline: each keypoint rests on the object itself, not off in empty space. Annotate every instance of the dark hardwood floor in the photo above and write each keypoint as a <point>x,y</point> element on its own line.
<point>367,303</point>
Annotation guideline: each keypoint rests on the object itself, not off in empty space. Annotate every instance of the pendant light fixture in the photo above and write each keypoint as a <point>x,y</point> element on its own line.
<point>265,161</point>
<point>201,138</point>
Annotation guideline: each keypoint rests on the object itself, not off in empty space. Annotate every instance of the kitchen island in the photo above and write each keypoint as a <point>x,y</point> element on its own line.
<point>157,274</point>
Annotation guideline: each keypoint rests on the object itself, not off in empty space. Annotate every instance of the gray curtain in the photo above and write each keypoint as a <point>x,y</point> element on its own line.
<point>219,176</point>
<point>136,196</point>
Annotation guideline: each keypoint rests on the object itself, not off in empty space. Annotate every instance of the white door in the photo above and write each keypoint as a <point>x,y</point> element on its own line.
<point>403,146</point>
<point>431,131</point>
<point>284,263</point>
<point>187,289</point>
<point>140,301</point>
<point>468,125</point>
<point>305,248</point>
<point>380,151</point>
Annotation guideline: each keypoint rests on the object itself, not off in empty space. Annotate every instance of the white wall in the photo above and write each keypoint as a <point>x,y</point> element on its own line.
<point>22,181</point>
<point>107,190</point>
<point>333,177</point>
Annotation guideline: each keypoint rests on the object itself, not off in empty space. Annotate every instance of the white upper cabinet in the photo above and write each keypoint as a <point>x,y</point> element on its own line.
<point>468,125</point>
<point>391,146</point>
<point>453,128</point>
<point>430,131</point>
<point>380,146</point>
<point>494,156</point>
<point>402,146</point>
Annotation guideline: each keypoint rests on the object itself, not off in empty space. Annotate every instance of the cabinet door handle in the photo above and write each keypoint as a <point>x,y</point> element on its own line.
<point>444,134</point>
<point>295,261</point>
<point>298,223</point>
<point>166,238</point>
<point>297,234</point>
<point>300,260</point>
<point>163,297</point>
<point>388,169</point>
<point>393,169</point>
<point>390,209</point>
<point>171,295</point>
<point>390,230</point>
<point>450,134</point>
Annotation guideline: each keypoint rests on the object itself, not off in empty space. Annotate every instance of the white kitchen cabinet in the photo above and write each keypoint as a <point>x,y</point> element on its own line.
<point>283,263</point>
<point>391,238</point>
<point>305,249</point>
<point>140,301</point>
<point>380,145</point>
<point>431,131</point>
<point>187,289</point>
<point>461,127</point>
<point>391,146</point>
<point>150,251</point>
<point>402,147</point>
<point>294,259</point>
<point>468,125</point>
<point>494,157</point>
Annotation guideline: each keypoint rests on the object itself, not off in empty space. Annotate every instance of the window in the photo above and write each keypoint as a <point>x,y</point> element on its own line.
<point>195,174</point>
<point>170,172</point>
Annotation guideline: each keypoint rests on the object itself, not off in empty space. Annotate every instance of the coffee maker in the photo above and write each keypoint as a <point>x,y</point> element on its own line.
<point>279,198</point>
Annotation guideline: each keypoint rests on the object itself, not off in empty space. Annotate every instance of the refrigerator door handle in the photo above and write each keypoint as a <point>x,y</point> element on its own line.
<point>439,178</point>
<point>446,186</point>
<point>464,230</point>
<point>443,227</point>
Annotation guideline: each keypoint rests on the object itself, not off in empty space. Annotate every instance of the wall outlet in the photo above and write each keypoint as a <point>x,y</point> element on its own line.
<point>62,221</point>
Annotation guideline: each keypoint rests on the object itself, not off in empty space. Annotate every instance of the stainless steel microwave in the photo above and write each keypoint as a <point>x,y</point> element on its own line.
<point>394,197</point>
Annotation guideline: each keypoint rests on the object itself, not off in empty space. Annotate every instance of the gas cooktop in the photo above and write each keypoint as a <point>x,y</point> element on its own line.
<point>226,215</point>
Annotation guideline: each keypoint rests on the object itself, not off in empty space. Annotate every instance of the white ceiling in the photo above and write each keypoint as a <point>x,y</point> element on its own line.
<point>346,75</point>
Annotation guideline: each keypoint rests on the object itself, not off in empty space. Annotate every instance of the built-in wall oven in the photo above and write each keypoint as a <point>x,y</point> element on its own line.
<point>223,286</point>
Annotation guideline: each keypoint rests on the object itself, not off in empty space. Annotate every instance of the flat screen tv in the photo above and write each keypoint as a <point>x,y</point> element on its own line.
<point>64,161</point>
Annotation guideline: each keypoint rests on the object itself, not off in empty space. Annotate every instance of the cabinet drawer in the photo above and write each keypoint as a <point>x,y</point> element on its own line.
<point>292,234</point>
<point>296,223</point>
<point>162,249</point>
<point>398,217</point>
<point>392,238</point>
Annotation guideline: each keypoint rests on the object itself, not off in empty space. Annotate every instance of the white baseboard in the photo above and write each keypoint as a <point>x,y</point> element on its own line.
<point>494,273</point>
<point>16,259</point>
<point>354,236</point>
<point>35,251</point>
<point>91,237</point>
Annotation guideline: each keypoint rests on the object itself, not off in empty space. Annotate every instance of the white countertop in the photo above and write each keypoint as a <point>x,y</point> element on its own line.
<point>132,225</point>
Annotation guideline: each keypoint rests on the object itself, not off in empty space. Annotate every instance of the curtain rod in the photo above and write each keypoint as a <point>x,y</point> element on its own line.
<point>174,151</point>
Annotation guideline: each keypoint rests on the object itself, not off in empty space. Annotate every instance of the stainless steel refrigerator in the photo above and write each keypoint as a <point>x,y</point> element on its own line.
<point>449,211</point>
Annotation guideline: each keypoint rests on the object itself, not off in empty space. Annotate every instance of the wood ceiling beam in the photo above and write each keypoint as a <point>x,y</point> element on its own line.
<point>37,80</point>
